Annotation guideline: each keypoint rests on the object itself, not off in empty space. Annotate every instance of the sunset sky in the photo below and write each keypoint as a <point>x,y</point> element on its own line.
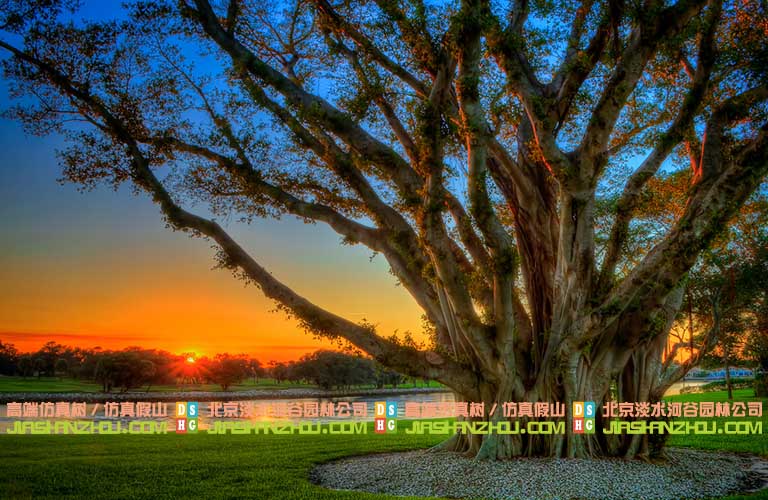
<point>101,269</point>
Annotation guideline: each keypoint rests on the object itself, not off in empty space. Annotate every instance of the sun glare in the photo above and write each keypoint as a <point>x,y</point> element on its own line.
<point>190,359</point>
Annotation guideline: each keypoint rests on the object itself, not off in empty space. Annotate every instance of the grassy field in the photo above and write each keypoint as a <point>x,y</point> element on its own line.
<point>52,385</point>
<point>757,444</point>
<point>213,466</point>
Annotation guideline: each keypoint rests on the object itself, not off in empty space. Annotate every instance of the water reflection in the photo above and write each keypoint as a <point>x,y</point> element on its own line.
<point>264,406</point>
<point>96,412</point>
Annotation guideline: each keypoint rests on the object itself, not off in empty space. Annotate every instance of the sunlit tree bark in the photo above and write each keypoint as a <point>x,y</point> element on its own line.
<point>472,146</point>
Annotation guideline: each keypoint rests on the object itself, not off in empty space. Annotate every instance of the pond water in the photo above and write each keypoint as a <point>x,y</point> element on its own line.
<point>675,388</point>
<point>262,410</point>
<point>275,409</point>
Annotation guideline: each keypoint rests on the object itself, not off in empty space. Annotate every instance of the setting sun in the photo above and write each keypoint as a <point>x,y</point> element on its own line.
<point>190,359</point>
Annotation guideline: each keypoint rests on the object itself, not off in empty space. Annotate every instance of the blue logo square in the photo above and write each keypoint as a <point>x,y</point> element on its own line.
<point>589,409</point>
<point>391,409</point>
<point>192,409</point>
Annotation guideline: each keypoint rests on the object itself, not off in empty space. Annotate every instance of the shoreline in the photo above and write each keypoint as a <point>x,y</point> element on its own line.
<point>254,394</point>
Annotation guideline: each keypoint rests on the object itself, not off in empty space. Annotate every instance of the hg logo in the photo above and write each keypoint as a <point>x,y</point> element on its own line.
<point>385,415</point>
<point>584,417</point>
<point>186,417</point>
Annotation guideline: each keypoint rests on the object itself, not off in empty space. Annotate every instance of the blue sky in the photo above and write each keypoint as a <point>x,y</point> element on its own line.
<point>100,268</point>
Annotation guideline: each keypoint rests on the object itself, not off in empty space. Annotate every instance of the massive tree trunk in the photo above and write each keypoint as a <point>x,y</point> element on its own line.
<point>617,373</point>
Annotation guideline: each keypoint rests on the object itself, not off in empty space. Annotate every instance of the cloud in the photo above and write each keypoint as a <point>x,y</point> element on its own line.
<point>76,337</point>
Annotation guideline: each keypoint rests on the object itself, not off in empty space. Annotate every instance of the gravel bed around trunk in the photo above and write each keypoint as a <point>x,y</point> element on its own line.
<point>688,474</point>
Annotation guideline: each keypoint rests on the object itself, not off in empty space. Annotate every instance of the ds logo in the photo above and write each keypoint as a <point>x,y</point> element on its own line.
<point>385,417</point>
<point>584,417</point>
<point>186,417</point>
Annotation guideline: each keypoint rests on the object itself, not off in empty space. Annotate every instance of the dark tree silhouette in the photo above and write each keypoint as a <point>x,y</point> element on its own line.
<point>228,370</point>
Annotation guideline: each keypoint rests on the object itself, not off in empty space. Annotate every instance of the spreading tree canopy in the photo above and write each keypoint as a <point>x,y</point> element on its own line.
<point>499,155</point>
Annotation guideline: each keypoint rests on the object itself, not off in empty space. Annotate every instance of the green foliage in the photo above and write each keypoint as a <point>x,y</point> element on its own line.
<point>331,369</point>
<point>227,370</point>
<point>9,358</point>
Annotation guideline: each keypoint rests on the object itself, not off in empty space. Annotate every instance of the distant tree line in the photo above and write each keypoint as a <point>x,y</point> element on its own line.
<point>337,370</point>
<point>135,368</point>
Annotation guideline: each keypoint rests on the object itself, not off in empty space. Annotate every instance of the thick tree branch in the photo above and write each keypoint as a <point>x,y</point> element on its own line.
<point>725,186</point>
<point>477,137</point>
<point>314,318</point>
<point>643,42</point>
<point>333,20</point>
<point>578,64</point>
<point>414,34</point>
<point>313,108</point>
<point>664,146</point>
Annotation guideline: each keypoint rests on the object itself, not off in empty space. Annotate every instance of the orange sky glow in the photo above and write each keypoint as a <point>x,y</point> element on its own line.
<point>182,308</point>
<point>150,287</point>
<point>186,307</point>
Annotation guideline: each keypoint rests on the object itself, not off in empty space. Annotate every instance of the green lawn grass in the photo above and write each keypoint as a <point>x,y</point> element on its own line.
<point>46,384</point>
<point>222,466</point>
<point>54,384</point>
<point>180,466</point>
<point>757,444</point>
